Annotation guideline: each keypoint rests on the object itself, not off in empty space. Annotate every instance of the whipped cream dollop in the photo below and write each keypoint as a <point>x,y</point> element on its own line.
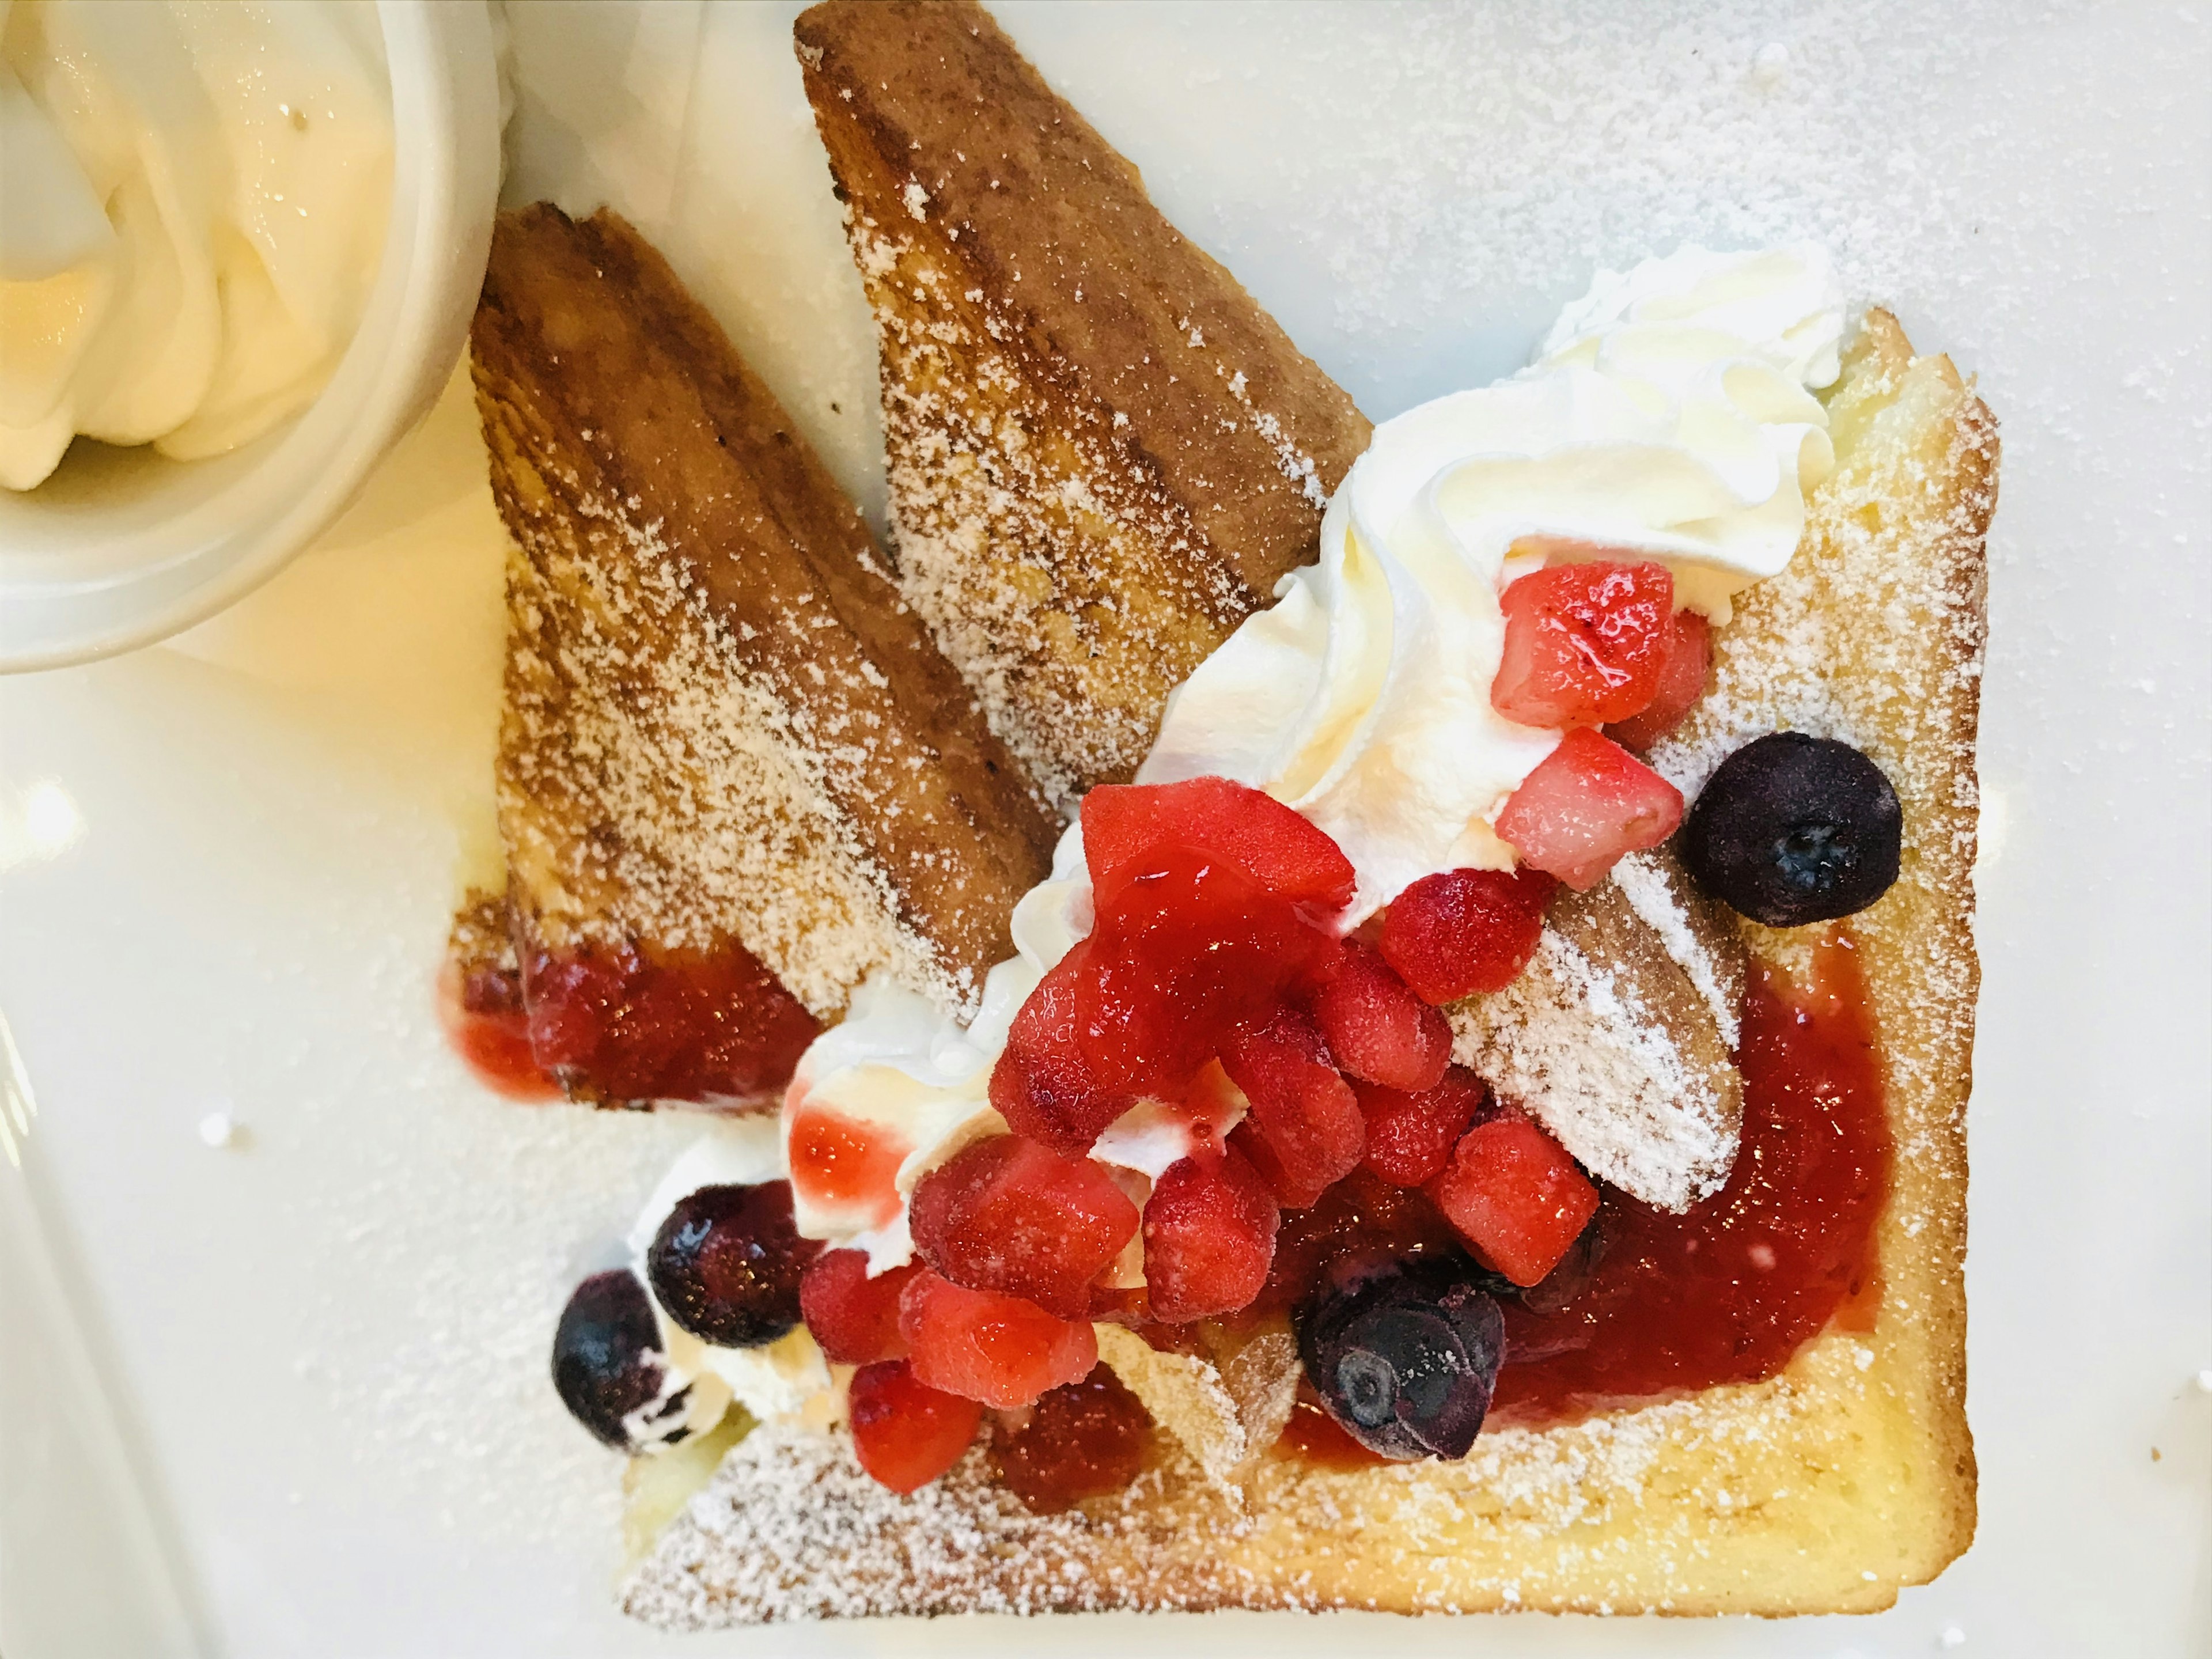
<point>193,201</point>
<point>784,1380</point>
<point>1668,412</point>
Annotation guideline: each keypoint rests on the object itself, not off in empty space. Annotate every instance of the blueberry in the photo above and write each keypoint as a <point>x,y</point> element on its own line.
<point>1562,1286</point>
<point>1792,829</point>
<point>1404,1353</point>
<point>727,1263</point>
<point>608,1367</point>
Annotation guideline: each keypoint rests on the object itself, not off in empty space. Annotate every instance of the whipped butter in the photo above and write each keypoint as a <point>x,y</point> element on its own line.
<point>193,201</point>
<point>1669,412</point>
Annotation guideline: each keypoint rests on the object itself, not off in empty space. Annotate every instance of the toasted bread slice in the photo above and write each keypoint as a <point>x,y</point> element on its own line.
<point>724,733</point>
<point>1618,1037</point>
<point>1103,454</point>
<point>1825,1488</point>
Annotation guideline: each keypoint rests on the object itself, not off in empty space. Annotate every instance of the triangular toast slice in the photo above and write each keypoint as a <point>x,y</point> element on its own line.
<point>730,753</point>
<point>1103,454</point>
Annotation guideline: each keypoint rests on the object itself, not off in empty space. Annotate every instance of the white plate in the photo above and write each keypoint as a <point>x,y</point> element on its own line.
<point>230,860</point>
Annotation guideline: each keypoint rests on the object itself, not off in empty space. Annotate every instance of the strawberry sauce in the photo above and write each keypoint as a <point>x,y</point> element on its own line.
<point>621,1025</point>
<point>480,1009</point>
<point>1730,1292</point>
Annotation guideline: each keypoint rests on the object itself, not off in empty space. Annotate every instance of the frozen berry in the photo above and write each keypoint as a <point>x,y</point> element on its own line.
<point>1681,683</point>
<point>1558,1289</point>
<point>608,1368</point>
<point>1404,1354</point>
<point>1189,950</point>
<point>1515,1194</point>
<point>853,1318</point>
<point>1410,1137</point>
<point>1006,1214</point>
<point>1042,1084</point>
<point>1793,829</point>
<point>982,1346</point>
<point>1209,1238</point>
<point>1377,1029</point>
<point>1305,1131</point>
<point>726,1263</point>
<point>1082,1440</point>
<point>1459,932</point>
<point>905,1432</point>
<point>1126,827</point>
<point>1584,643</point>
<point>1587,804</point>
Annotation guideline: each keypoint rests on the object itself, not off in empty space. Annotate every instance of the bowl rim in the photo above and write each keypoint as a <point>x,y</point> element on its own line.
<point>446,178</point>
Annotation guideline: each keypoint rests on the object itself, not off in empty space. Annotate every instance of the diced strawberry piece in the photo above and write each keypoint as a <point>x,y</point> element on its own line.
<point>1459,932</point>
<point>1042,1083</point>
<point>982,1346</point>
<point>1209,1236</point>
<point>1589,802</point>
<point>1189,951</point>
<point>1375,1026</point>
<point>1304,1130</point>
<point>1410,1137</point>
<point>1125,826</point>
<point>1681,683</point>
<point>1006,1214</point>
<point>1515,1194</point>
<point>1083,1440</point>
<point>853,1318</point>
<point>905,1432</point>
<point>1584,643</point>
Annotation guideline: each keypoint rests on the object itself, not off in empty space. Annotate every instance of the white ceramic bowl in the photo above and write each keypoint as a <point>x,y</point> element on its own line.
<point>122,547</point>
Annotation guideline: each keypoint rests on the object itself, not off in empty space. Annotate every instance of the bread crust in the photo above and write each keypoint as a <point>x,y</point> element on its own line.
<point>1824,1489</point>
<point>720,722</point>
<point>1103,452</point>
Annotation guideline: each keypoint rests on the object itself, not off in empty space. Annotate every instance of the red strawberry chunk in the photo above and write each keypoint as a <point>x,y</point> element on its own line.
<point>1514,1193</point>
<point>853,1318</point>
<point>1006,1214</point>
<point>1681,683</point>
<point>905,1432</point>
<point>1584,643</point>
<point>1375,1026</point>
<point>1589,802</point>
<point>1042,1083</point>
<point>1452,934</point>
<point>1410,1137</point>
<point>1305,1131</point>
<point>982,1346</point>
<point>1190,950</point>
<point>1209,1238</point>
<point>1126,826</point>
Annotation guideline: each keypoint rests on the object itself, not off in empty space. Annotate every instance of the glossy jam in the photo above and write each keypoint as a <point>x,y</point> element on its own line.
<point>1362,1212</point>
<point>621,1024</point>
<point>839,1163</point>
<point>480,1009</point>
<point>1728,1292</point>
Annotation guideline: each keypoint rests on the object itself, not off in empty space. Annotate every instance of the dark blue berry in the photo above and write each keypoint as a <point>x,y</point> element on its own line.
<point>725,1264</point>
<point>608,1367</point>
<point>1793,829</point>
<point>1404,1353</point>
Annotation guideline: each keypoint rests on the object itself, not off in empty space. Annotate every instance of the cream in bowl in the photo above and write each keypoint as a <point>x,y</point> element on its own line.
<point>240,243</point>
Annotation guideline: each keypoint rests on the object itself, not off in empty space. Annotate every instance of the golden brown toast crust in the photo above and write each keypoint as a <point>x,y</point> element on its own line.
<point>1103,454</point>
<point>720,720</point>
<point>1824,1489</point>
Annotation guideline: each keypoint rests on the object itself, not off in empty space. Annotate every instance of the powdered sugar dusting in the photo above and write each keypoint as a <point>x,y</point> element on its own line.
<point>1651,890</point>
<point>651,785</point>
<point>1575,1046</point>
